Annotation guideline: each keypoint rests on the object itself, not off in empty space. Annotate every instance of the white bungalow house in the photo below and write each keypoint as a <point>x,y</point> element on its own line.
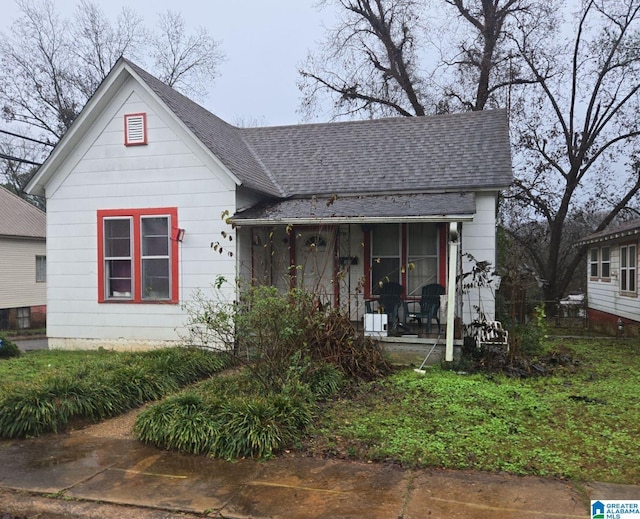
<point>612,275</point>
<point>150,197</point>
<point>23,263</point>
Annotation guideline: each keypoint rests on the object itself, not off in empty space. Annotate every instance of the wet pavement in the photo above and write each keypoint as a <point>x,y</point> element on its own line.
<point>85,476</point>
<point>32,344</point>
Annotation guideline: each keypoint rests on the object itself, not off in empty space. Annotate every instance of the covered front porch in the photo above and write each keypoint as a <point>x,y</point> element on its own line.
<point>351,262</point>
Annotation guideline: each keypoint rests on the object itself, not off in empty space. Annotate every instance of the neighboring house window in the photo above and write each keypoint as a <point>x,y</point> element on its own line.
<point>628,257</point>
<point>605,263</point>
<point>135,129</point>
<point>593,263</point>
<point>23,317</point>
<point>410,249</point>
<point>41,269</point>
<point>138,255</point>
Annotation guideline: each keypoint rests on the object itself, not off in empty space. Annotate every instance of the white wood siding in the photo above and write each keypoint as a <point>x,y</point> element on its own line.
<point>605,296</point>
<point>172,170</point>
<point>479,239</point>
<point>18,287</point>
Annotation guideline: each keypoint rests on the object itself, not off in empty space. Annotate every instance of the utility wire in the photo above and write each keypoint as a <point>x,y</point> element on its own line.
<point>16,159</point>
<point>27,138</point>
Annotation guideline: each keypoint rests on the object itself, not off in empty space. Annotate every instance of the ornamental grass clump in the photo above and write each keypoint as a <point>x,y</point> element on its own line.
<point>108,387</point>
<point>230,424</point>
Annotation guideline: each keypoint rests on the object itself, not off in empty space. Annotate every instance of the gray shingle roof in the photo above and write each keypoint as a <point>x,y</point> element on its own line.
<point>630,228</point>
<point>224,140</point>
<point>451,152</point>
<point>19,218</point>
<point>403,206</point>
<point>445,152</point>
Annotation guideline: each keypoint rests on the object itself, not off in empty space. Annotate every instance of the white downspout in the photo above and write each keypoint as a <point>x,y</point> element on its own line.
<point>451,289</point>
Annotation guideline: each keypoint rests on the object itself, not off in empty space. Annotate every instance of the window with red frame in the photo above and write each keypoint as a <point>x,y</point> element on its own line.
<point>408,254</point>
<point>138,255</point>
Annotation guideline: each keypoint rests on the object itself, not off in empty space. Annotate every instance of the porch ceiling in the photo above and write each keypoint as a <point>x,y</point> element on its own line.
<point>361,209</point>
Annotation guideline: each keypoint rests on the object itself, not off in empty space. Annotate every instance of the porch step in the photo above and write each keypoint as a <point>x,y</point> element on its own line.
<point>409,351</point>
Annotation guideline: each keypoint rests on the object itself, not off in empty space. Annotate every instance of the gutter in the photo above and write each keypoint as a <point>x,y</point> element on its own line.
<point>337,220</point>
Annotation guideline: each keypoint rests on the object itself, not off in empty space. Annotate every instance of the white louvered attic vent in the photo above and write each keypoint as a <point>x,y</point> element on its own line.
<point>135,129</point>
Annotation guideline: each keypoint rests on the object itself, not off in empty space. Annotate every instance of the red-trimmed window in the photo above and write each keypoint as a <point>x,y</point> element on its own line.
<point>138,255</point>
<point>135,129</point>
<point>408,254</point>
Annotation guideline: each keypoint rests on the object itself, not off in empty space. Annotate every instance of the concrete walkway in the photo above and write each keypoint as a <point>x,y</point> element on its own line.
<point>82,475</point>
<point>32,344</point>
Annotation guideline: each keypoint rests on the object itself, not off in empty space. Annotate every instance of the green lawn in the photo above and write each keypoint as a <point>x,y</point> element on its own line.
<point>40,364</point>
<point>581,423</point>
<point>44,391</point>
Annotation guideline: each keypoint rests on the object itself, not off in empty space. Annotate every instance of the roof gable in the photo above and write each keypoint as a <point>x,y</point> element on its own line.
<point>122,72</point>
<point>19,218</point>
<point>443,153</point>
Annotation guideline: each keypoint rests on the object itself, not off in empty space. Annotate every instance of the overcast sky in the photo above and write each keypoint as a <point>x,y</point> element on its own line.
<point>264,41</point>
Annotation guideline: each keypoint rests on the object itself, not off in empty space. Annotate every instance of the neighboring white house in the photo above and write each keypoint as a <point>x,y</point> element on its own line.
<point>612,274</point>
<point>150,197</point>
<point>23,262</point>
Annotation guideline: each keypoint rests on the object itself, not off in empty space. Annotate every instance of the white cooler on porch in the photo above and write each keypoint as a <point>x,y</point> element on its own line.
<point>375,325</point>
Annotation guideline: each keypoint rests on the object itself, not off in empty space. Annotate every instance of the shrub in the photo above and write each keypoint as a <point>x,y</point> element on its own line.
<point>8,348</point>
<point>102,390</point>
<point>248,425</point>
<point>275,333</point>
<point>528,339</point>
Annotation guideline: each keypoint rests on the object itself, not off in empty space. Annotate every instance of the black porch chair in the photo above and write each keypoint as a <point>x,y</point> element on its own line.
<point>429,306</point>
<point>390,300</point>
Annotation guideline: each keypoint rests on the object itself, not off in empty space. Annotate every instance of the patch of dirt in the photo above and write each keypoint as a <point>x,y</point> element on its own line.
<point>119,427</point>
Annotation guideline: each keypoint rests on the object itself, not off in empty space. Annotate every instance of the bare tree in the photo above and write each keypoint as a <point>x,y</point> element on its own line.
<point>20,160</point>
<point>487,62</point>
<point>37,84</point>
<point>50,66</point>
<point>99,43</point>
<point>187,62</point>
<point>369,64</point>
<point>375,61</point>
<point>578,135</point>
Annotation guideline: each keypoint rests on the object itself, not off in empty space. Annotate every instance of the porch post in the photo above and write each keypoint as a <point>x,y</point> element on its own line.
<point>451,289</point>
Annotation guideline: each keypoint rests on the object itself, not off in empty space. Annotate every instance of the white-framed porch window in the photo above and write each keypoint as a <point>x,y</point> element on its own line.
<point>594,264</point>
<point>628,269</point>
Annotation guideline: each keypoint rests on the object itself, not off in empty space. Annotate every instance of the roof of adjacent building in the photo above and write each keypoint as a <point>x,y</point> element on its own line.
<point>620,231</point>
<point>19,218</point>
<point>451,152</point>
